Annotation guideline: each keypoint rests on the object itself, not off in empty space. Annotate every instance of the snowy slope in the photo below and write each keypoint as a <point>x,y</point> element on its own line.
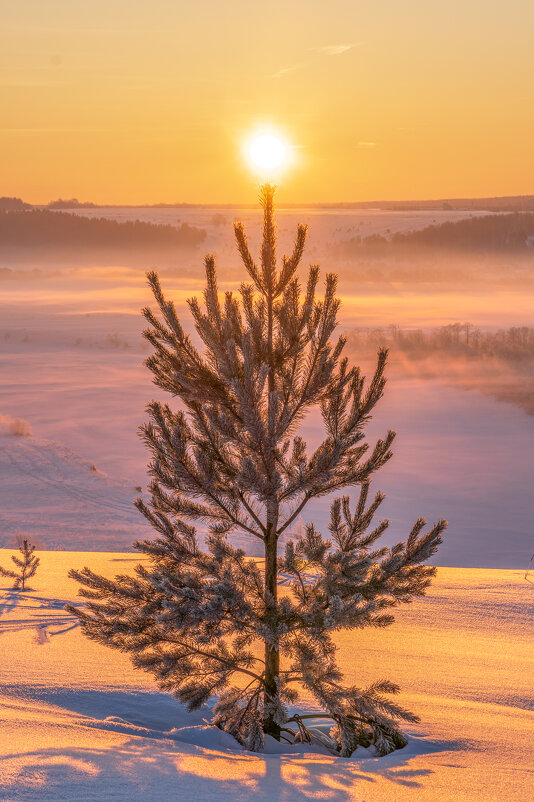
<point>62,500</point>
<point>79,723</point>
<point>71,364</point>
<point>458,455</point>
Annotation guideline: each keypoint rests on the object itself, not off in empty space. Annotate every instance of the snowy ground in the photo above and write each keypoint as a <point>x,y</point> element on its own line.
<point>71,366</point>
<point>78,723</point>
<point>458,455</point>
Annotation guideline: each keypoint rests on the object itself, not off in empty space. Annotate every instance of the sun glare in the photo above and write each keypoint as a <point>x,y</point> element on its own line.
<point>267,152</point>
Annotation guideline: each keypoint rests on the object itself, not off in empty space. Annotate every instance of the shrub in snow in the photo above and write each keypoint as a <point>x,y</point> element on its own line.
<point>27,565</point>
<point>205,620</point>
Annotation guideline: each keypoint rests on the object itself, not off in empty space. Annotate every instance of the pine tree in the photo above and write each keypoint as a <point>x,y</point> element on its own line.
<point>27,564</point>
<point>231,460</point>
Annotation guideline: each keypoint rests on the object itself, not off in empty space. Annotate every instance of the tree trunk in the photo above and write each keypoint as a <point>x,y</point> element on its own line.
<point>272,649</point>
<point>272,652</point>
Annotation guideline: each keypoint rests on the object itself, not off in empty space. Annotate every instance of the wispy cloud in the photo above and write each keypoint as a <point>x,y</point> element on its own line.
<point>336,50</point>
<point>367,144</point>
<point>289,68</point>
<point>324,50</point>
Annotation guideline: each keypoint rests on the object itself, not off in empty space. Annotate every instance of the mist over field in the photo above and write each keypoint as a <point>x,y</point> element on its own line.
<point>450,293</point>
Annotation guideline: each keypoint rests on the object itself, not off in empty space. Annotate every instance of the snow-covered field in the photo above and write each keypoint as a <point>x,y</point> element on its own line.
<point>77,722</point>
<point>453,459</point>
<point>62,500</point>
<point>71,367</point>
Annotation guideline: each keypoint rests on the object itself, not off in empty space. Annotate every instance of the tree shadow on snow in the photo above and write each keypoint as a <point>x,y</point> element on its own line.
<point>156,762</point>
<point>140,769</point>
<point>47,616</point>
<point>10,600</point>
<point>137,559</point>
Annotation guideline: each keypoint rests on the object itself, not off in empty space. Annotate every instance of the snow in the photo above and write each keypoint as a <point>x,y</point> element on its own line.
<point>71,373</point>
<point>62,499</point>
<point>78,722</point>
<point>448,462</point>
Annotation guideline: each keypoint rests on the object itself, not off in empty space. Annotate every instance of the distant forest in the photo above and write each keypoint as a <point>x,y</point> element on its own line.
<point>72,203</point>
<point>508,203</point>
<point>41,228</point>
<point>490,233</point>
<point>496,363</point>
<point>457,340</point>
<point>13,204</point>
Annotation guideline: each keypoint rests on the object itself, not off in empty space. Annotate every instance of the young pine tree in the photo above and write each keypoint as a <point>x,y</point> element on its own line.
<point>27,564</point>
<point>205,620</point>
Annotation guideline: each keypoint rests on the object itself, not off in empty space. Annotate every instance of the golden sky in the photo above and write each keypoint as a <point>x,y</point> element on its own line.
<point>143,102</point>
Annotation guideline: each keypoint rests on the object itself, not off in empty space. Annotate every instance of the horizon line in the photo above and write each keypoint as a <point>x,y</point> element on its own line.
<point>286,205</point>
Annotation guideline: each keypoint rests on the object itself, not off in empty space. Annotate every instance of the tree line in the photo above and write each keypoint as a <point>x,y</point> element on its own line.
<point>487,233</point>
<point>457,339</point>
<point>44,228</point>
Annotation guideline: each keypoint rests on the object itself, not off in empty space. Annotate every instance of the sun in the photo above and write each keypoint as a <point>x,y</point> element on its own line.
<point>267,151</point>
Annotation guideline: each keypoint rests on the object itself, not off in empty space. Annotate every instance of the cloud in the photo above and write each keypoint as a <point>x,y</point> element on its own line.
<point>17,427</point>
<point>286,70</point>
<point>367,144</point>
<point>336,50</point>
<point>326,50</point>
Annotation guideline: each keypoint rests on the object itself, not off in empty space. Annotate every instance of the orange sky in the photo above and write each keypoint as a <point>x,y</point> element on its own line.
<point>124,101</point>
